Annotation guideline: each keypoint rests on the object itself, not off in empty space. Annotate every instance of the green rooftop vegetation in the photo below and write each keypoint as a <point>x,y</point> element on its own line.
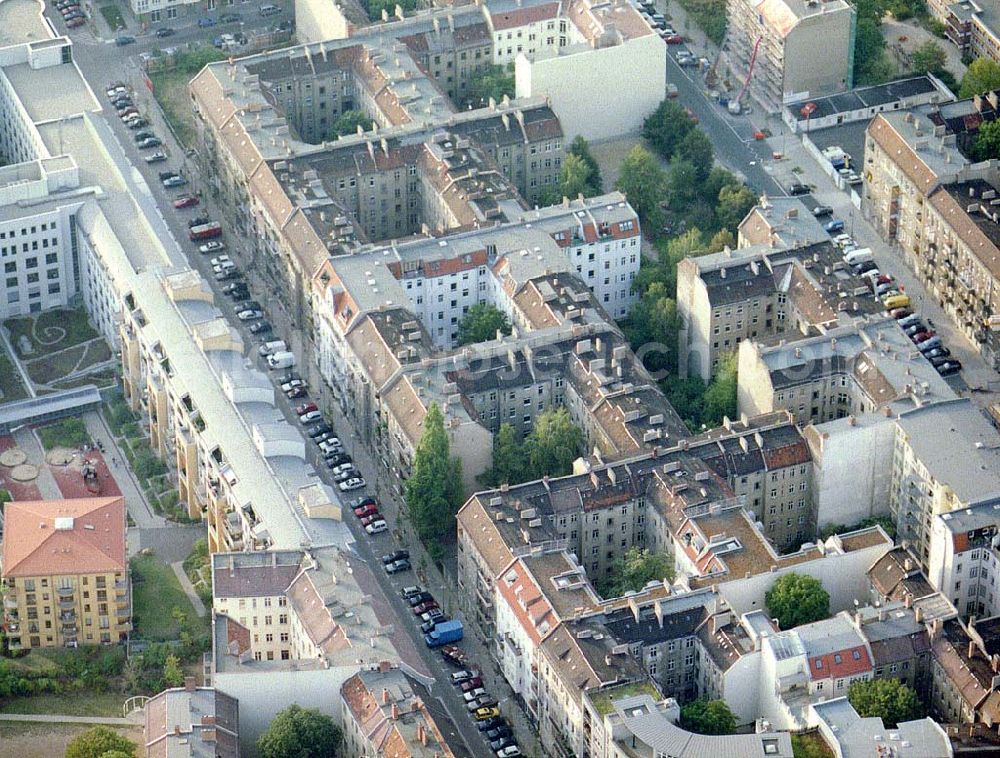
<point>605,699</point>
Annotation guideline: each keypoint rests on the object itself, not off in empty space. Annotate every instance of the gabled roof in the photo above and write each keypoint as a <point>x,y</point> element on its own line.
<point>80,536</point>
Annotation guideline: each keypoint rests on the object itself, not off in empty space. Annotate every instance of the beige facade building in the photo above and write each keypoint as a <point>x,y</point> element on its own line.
<point>853,369</point>
<point>65,575</point>
<point>774,42</point>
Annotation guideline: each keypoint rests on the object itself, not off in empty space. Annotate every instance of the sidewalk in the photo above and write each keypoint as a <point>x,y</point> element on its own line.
<point>182,577</point>
<point>27,440</point>
<point>50,718</point>
<point>135,500</point>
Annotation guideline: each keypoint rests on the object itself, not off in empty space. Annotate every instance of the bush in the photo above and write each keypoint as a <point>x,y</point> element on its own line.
<point>70,432</point>
<point>796,599</point>
<point>708,717</point>
<point>887,699</point>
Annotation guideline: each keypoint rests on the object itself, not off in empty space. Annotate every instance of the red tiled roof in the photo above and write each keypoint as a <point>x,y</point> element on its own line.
<point>79,536</point>
<point>840,664</point>
<point>525,599</point>
<point>524,16</point>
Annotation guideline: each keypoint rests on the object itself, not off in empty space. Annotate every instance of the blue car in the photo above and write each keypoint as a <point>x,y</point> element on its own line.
<point>205,21</point>
<point>834,227</point>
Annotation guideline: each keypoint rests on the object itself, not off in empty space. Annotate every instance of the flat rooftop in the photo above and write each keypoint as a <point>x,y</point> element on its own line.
<point>21,21</point>
<point>865,97</point>
<point>52,92</point>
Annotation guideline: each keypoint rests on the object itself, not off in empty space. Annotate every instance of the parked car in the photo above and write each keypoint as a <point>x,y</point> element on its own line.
<point>220,260</point>
<point>260,327</point>
<point>473,694</point>
<point>502,742</point>
<point>673,39</point>
<point>143,135</point>
<point>797,188</point>
<point>296,393</point>
<point>73,23</point>
<point>424,607</point>
<point>458,677</point>
<point>165,31</point>
<point>834,227</point>
<point>136,123</point>
<point>822,210</point>
<point>124,39</point>
<point>899,313</point>
<point>343,476</point>
<point>249,314</point>
<point>397,566</point>
<point>481,714</point>
<point>304,408</point>
<point>186,201</point>
<point>488,723</point>
<point>922,337</point>
<point>319,429</point>
<point>914,328</point>
<point>395,555</point>
<point>406,592</point>
<point>434,614</point>
<point>175,181</point>
<point>229,18</point>
<point>366,520</point>
<point>294,384</point>
<point>205,21</point>
<point>509,752</point>
<point>949,368</point>
<point>498,732</point>
<point>377,527</point>
<point>937,352</point>
<point>367,510</point>
<point>200,221</point>
<point>334,458</point>
<point>471,684</point>
<point>418,597</point>
<point>310,418</point>
<point>157,157</point>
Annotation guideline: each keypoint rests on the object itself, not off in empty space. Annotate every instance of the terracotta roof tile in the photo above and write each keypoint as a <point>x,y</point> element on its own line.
<point>80,536</point>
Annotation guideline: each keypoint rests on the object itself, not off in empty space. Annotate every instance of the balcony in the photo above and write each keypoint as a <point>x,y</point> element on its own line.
<point>67,604</point>
<point>66,591</point>
<point>10,603</point>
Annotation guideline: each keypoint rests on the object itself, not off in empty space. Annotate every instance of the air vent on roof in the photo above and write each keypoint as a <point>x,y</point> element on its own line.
<point>64,523</point>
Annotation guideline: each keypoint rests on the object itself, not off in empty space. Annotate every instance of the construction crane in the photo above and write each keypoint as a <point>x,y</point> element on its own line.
<point>735,105</point>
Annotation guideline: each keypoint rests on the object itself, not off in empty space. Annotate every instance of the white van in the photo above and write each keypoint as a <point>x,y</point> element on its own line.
<point>858,255</point>
<point>283,359</point>
<point>269,10</point>
<point>273,346</point>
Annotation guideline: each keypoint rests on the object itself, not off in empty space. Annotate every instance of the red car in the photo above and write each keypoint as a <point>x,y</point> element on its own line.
<point>73,23</point>
<point>673,39</point>
<point>301,410</point>
<point>297,392</point>
<point>922,337</point>
<point>471,684</point>
<point>421,609</point>
<point>366,520</point>
<point>186,201</point>
<point>368,509</point>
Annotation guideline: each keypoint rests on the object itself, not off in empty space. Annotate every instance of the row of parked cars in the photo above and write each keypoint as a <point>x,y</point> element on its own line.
<point>898,304</point>
<point>71,12</point>
<point>483,707</point>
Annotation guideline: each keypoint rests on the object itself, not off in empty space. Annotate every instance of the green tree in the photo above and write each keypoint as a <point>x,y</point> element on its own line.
<point>581,149</point>
<point>97,741</point>
<point>690,244</point>
<point>173,674</point>
<point>720,397</point>
<point>796,599</point>
<point>721,240</point>
<point>869,50</point>
<point>666,127</point>
<point>987,145</point>
<point>708,717</point>
<point>683,184</point>
<point>696,148</point>
<point>481,323</point>
<point>553,444</point>
<point>509,466</point>
<point>298,732</point>
<point>117,754</point>
<point>928,58</point>
<point>347,123</point>
<point>983,75</point>
<point>635,569</point>
<point>735,202</point>
<point>887,699</point>
<point>574,177</point>
<point>687,396</point>
<point>375,7</point>
<point>652,328</point>
<point>434,489</point>
<point>643,182</point>
<point>492,82</point>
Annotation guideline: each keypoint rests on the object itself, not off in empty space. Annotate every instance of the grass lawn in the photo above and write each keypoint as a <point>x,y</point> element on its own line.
<point>113,16</point>
<point>810,745</point>
<point>97,352</point>
<point>32,740</point>
<point>155,593</point>
<point>10,380</point>
<point>52,330</point>
<point>68,704</point>
<point>170,91</point>
<point>70,432</point>
<point>103,378</point>
<point>48,368</point>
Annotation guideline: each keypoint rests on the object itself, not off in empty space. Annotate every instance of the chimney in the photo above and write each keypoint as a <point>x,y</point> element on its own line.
<point>971,650</point>
<point>177,729</point>
<point>918,614</point>
<point>422,734</point>
<point>385,696</point>
<point>907,565</point>
<point>995,663</point>
<point>908,601</point>
<point>395,711</point>
<point>189,684</point>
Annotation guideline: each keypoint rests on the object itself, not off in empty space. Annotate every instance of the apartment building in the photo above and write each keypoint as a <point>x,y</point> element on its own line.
<point>853,369</point>
<point>848,734</point>
<point>970,25</point>
<point>944,460</point>
<point>773,43</point>
<point>926,196</point>
<point>764,292</point>
<point>385,713</point>
<point>964,666</point>
<point>528,30</point>
<point>190,722</point>
<point>962,557</point>
<point>387,325</point>
<point>65,575</point>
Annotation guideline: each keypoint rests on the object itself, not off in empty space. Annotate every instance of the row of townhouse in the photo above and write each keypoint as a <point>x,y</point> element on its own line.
<point>785,281</point>
<point>926,195</point>
<point>387,323</point>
